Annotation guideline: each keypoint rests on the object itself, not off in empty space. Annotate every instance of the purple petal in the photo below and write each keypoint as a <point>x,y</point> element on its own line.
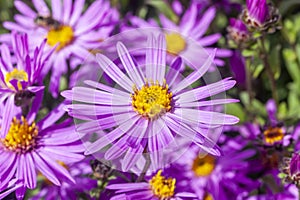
<point>174,70</point>
<point>77,9</point>
<point>114,72</point>
<point>112,136</point>
<point>43,167</point>
<point>206,91</point>
<point>126,59</point>
<point>194,76</point>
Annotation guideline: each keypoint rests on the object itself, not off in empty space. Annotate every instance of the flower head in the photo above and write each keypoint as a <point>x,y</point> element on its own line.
<point>182,36</point>
<point>27,146</point>
<point>237,31</point>
<point>21,74</point>
<point>259,15</point>
<point>212,177</point>
<point>150,109</point>
<point>72,32</point>
<point>156,187</point>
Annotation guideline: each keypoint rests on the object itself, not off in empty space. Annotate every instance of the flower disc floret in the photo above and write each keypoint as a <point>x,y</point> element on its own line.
<point>21,136</point>
<point>203,166</point>
<point>273,135</point>
<point>152,100</point>
<point>162,188</point>
<point>62,35</point>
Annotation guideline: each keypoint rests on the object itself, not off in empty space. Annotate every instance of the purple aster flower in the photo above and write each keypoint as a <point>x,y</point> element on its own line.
<point>156,187</point>
<point>222,177</point>
<point>79,171</point>
<point>74,32</point>
<point>149,109</point>
<point>238,32</point>
<point>182,37</point>
<point>20,75</point>
<point>257,12</point>
<point>260,15</point>
<point>27,146</point>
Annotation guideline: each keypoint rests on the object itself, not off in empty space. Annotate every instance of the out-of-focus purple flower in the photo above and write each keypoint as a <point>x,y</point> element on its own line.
<point>27,146</point>
<point>190,30</point>
<point>238,67</point>
<point>257,12</point>
<point>20,75</point>
<point>149,110</point>
<point>238,32</point>
<point>218,177</point>
<point>74,32</point>
<point>259,15</point>
<point>80,171</point>
<point>275,132</point>
<point>156,187</point>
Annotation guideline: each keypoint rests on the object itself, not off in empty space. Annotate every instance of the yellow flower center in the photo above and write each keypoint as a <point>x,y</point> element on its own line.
<point>161,187</point>
<point>152,100</point>
<point>273,134</point>
<point>203,166</point>
<point>15,74</point>
<point>62,35</point>
<point>175,43</point>
<point>21,136</point>
<point>208,196</point>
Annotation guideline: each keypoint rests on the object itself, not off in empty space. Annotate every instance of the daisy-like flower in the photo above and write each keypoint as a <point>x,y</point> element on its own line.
<point>20,76</point>
<point>27,146</point>
<point>212,177</point>
<point>156,187</point>
<point>150,109</point>
<point>74,33</point>
<point>184,37</point>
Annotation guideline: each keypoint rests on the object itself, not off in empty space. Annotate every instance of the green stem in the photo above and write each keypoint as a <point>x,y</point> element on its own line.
<point>269,70</point>
<point>145,169</point>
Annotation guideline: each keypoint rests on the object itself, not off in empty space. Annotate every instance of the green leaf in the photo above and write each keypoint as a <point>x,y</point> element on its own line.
<point>258,69</point>
<point>237,110</point>
<point>275,61</point>
<point>282,110</point>
<point>165,9</point>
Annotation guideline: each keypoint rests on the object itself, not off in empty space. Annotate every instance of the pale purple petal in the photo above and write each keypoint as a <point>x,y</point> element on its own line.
<point>206,91</point>
<point>43,167</point>
<point>77,9</point>
<point>129,65</point>
<point>114,72</point>
<point>194,76</point>
<point>112,136</point>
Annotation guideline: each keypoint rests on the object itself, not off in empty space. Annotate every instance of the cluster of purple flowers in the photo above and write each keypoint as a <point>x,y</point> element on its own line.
<point>153,125</point>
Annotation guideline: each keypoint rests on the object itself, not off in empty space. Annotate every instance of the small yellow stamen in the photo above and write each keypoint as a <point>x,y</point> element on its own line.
<point>175,43</point>
<point>203,166</point>
<point>161,187</point>
<point>152,100</point>
<point>273,134</point>
<point>21,136</point>
<point>15,74</point>
<point>63,35</point>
